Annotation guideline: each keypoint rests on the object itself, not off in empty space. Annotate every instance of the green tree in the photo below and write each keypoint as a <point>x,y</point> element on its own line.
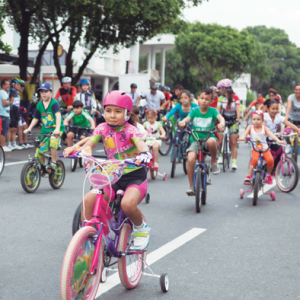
<point>3,47</point>
<point>205,53</point>
<point>280,64</point>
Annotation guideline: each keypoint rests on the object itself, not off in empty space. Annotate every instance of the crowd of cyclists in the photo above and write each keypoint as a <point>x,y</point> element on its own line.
<point>126,120</point>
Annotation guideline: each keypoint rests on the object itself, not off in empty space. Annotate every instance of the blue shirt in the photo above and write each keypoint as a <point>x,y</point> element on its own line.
<point>4,112</point>
<point>178,108</point>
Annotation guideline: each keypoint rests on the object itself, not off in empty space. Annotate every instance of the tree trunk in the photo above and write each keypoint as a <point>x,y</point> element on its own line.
<point>55,57</point>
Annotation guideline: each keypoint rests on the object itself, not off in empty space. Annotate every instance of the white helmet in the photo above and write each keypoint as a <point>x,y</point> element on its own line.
<point>66,79</point>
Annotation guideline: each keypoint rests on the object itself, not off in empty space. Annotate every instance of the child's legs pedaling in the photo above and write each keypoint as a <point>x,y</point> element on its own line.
<point>54,145</point>
<point>191,160</point>
<point>155,148</point>
<point>270,161</point>
<point>70,137</point>
<point>212,147</point>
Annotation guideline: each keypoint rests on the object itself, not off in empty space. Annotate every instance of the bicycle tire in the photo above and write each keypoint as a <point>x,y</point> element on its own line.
<point>76,223</point>
<point>295,153</point>
<point>25,177</point>
<point>256,188</point>
<point>75,279</point>
<point>80,160</point>
<point>289,165</point>
<point>2,160</point>
<point>184,164</point>
<point>129,263</point>
<point>198,191</point>
<point>204,190</point>
<point>174,160</point>
<point>73,164</point>
<point>57,178</point>
<point>153,174</point>
<point>224,152</point>
<point>167,143</point>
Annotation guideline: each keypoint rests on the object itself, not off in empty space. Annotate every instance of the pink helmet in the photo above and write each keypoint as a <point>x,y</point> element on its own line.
<point>224,83</point>
<point>118,98</point>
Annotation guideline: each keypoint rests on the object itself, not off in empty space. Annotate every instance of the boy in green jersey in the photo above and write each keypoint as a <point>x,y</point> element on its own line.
<point>48,111</point>
<point>81,118</point>
<point>203,118</point>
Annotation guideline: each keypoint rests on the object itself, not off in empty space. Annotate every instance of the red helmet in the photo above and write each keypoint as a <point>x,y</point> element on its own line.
<point>118,98</point>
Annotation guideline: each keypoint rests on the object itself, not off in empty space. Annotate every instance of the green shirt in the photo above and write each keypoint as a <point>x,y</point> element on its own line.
<point>202,121</point>
<point>48,116</point>
<point>81,120</point>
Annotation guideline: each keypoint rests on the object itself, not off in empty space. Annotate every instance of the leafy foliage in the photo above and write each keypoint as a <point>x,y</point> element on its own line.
<point>3,47</point>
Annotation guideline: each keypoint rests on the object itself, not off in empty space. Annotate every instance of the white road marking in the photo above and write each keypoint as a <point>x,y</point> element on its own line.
<point>153,257</point>
<point>16,163</point>
<point>267,187</point>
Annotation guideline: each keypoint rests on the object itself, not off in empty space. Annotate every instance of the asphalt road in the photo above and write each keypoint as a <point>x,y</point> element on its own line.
<point>245,253</point>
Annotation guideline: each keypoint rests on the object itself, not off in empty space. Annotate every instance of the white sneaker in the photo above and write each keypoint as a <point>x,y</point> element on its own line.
<point>17,147</point>
<point>220,160</point>
<point>141,237</point>
<point>6,149</point>
<point>233,166</point>
<point>29,146</point>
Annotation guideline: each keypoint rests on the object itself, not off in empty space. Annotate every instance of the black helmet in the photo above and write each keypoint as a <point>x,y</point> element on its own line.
<point>133,85</point>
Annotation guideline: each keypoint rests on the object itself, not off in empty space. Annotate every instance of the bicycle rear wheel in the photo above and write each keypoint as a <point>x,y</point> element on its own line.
<point>286,175</point>
<point>57,178</point>
<point>225,158</point>
<point>76,282</point>
<point>166,145</point>
<point>130,267</point>
<point>256,188</point>
<point>174,160</point>
<point>295,153</point>
<point>198,190</point>
<point>76,224</point>
<point>30,177</point>
<point>2,160</point>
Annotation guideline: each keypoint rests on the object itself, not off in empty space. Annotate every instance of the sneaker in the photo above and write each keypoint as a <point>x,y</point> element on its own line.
<point>190,192</point>
<point>24,146</point>
<point>19,147</point>
<point>29,146</point>
<point>215,169</point>
<point>51,167</point>
<point>6,149</point>
<point>10,147</point>
<point>141,237</point>
<point>247,180</point>
<point>220,160</point>
<point>234,166</point>
<point>268,179</point>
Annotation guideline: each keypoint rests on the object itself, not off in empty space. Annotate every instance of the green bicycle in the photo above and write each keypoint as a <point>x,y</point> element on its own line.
<point>35,168</point>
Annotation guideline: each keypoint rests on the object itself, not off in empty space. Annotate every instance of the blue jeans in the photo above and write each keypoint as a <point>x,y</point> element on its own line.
<point>5,125</point>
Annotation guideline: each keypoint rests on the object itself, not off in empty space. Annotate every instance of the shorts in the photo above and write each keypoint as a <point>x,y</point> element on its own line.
<point>5,125</point>
<point>50,142</point>
<point>14,117</point>
<point>21,121</point>
<point>234,130</point>
<point>195,147</point>
<point>80,132</point>
<point>137,179</point>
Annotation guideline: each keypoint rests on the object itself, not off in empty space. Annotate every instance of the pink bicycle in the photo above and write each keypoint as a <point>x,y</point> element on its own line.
<point>94,245</point>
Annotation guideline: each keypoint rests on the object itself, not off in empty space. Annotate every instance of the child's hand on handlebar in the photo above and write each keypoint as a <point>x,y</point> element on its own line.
<point>221,127</point>
<point>241,139</point>
<point>181,124</point>
<point>281,142</point>
<point>143,157</point>
<point>69,150</point>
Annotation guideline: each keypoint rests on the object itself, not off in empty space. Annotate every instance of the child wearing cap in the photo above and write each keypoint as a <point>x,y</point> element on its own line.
<point>48,111</point>
<point>81,118</point>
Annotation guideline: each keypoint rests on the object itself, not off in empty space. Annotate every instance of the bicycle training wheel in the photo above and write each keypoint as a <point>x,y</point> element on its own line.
<point>57,178</point>
<point>286,175</point>
<point>76,224</point>
<point>30,177</point>
<point>295,153</point>
<point>130,267</point>
<point>198,190</point>
<point>2,160</point>
<point>76,281</point>
<point>174,160</point>
<point>73,164</point>
<point>166,145</point>
<point>256,188</point>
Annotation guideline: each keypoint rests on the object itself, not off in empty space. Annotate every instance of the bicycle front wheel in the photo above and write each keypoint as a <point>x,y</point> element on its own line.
<point>295,153</point>
<point>73,164</point>
<point>57,178</point>
<point>30,177</point>
<point>2,160</point>
<point>130,267</point>
<point>286,175</point>
<point>76,281</point>
<point>225,158</point>
<point>174,160</point>
<point>204,189</point>
<point>76,224</point>
<point>198,190</point>
<point>256,188</point>
<point>166,145</point>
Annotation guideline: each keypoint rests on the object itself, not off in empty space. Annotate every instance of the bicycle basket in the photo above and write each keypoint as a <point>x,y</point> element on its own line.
<point>104,173</point>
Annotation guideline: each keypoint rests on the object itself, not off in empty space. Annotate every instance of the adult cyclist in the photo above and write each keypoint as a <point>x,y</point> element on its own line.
<point>229,106</point>
<point>293,106</point>
<point>66,94</point>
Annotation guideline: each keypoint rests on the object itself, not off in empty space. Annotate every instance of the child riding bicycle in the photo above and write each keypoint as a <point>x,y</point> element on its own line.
<point>81,118</point>
<point>48,111</point>
<point>203,118</point>
<point>121,140</point>
<point>259,133</point>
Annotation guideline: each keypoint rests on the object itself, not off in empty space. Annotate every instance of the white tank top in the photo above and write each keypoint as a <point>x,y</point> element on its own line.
<point>259,139</point>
